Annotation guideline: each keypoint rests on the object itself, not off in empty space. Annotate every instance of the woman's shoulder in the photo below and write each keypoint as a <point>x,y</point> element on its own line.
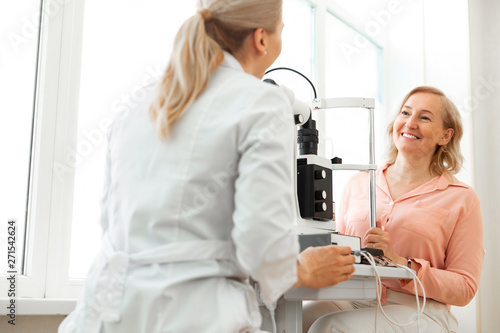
<point>454,188</point>
<point>449,180</point>
<point>243,90</point>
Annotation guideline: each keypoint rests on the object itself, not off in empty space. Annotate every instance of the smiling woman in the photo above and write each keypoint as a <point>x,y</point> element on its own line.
<point>426,220</point>
<point>432,121</point>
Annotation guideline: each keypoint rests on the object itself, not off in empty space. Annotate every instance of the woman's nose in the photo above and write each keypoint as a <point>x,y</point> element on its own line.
<point>411,122</point>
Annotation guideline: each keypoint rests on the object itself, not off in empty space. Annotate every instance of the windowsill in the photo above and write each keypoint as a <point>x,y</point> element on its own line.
<point>40,306</point>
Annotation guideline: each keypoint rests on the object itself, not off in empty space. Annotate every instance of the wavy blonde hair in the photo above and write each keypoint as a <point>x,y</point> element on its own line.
<point>198,50</point>
<point>446,158</point>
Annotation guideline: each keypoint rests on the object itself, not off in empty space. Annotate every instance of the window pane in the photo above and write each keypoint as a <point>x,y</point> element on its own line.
<point>19,22</point>
<point>352,70</point>
<point>297,49</point>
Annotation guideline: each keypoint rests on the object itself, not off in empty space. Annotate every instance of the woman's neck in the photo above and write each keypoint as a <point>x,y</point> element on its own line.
<point>413,171</point>
<point>404,176</point>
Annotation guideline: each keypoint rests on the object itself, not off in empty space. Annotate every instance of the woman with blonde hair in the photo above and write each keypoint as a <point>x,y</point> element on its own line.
<point>199,190</point>
<point>427,220</point>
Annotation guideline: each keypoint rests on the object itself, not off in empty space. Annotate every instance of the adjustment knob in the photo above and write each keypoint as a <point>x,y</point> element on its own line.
<point>320,174</point>
<point>321,207</point>
<point>336,160</point>
<point>320,195</point>
<point>299,119</point>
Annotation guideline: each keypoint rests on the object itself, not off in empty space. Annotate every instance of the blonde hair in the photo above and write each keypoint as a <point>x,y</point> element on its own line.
<point>446,158</point>
<point>198,50</point>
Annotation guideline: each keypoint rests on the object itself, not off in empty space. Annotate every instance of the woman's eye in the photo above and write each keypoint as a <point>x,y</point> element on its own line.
<point>405,113</point>
<point>426,118</point>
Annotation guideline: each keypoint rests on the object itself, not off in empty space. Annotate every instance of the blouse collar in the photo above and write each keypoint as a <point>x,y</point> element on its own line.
<point>436,183</point>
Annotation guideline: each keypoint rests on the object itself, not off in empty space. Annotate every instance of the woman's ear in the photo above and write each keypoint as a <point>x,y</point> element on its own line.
<point>260,41</point>
<point>447,135</point>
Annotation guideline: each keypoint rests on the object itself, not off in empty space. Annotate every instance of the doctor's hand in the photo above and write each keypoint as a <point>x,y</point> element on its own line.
<point>324,266</point>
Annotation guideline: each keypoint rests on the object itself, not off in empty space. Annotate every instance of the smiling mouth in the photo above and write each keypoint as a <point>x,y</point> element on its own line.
<point>409,136</point>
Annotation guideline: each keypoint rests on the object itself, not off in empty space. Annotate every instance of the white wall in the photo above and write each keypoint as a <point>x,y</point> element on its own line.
<point>483,103</point>
<point>447,62</point>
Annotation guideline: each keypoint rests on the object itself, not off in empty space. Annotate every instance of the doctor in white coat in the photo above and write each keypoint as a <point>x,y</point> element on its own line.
<point>199,190</point>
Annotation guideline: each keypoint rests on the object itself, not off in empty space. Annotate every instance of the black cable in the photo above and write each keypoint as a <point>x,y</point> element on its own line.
<point>293,70</point>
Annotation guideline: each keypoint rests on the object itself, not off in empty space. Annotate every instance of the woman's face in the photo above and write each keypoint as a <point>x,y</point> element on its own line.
<point>274,48</point>
<point>418,129</point>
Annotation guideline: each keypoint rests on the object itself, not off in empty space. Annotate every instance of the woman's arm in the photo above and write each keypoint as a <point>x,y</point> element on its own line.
<point>457,283</point>
<point>264,212</point>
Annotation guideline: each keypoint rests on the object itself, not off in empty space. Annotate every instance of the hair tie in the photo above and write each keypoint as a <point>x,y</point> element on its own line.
<point>205,14</point>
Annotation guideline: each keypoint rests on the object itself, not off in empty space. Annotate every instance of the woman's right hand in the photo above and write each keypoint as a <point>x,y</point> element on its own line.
<point>324,266</point>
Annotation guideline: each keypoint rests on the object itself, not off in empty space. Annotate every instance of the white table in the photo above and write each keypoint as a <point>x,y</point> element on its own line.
<point>361,286</point>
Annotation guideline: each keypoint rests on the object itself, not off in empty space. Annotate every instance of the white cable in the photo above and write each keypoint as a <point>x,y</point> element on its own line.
<point>273,320</point>
<point>271,306</point>
<point>379,286</point>
<point>378,283</point>
<point>371,260</point>
<point>415,278</point>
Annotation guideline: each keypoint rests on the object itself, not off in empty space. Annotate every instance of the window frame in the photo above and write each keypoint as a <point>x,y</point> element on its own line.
<point>65,104</point>
<point>50,199</point>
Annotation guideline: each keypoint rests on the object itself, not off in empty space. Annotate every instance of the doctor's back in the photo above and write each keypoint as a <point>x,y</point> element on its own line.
<point>196,202</point>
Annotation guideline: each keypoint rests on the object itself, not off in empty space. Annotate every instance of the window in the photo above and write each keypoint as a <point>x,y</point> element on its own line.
<point>19,25</point>
<point>353,69</point>
<point>298,49</point>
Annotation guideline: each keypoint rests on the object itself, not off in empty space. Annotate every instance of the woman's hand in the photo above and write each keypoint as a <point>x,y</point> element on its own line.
<point>324,266</point>
<point>379,239</point>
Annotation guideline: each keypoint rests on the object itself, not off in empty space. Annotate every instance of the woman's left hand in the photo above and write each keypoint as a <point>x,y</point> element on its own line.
<point>379,239</point>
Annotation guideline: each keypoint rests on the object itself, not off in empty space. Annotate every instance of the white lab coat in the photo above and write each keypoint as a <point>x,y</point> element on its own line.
<point>188,220</point>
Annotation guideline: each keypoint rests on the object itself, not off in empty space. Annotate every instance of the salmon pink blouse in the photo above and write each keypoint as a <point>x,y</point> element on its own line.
<point>438,225</point>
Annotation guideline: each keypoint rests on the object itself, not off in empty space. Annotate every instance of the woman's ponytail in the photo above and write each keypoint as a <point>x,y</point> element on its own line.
<point>219,25</point>
<point>194,58</point>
